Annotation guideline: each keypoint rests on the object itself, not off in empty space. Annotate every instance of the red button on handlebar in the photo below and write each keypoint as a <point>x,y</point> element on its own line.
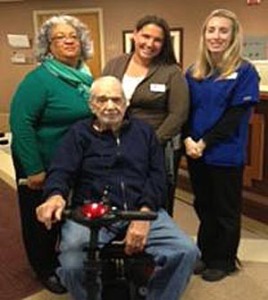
<point>94,210</point>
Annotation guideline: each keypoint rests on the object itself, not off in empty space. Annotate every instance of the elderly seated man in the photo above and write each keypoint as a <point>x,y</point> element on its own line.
<point>123,153</point>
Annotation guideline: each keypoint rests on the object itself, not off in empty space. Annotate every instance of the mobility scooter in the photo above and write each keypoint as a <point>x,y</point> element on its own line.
<point>122,276</point>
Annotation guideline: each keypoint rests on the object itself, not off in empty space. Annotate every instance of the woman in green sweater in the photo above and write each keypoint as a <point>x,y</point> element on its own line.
<point>47,102</point>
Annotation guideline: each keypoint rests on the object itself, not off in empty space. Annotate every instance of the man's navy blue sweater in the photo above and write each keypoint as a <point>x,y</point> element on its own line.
<point>130,165</point>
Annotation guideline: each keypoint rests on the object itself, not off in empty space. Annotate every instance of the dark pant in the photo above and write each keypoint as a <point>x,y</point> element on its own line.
<point>172,159</point>
<point>218,198</point>
<point>39,243</point>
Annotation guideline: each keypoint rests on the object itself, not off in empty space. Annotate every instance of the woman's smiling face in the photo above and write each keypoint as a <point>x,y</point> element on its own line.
<point>218,35</point>
<point>65,44</point>
<point>148,41</point>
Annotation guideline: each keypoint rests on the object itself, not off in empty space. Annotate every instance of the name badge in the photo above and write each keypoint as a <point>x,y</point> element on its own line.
<point>232,76</point>
<point>157,87</point>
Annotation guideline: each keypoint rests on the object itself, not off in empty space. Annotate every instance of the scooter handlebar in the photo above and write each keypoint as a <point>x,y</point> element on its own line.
<point>136,215</point>
<point>111,216</point>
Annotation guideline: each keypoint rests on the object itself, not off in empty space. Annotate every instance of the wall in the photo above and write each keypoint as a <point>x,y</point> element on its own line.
<point>17,18</point>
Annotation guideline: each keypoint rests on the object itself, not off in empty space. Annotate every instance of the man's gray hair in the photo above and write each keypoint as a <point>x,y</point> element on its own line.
<point>44,36</point>
<point>104,80</point>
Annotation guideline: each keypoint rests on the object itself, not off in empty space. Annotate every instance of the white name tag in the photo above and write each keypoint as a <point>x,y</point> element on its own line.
<point>232,76</point>
<point>157,87</point>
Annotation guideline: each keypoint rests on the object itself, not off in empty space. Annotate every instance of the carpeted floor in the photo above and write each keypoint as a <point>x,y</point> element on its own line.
<point>250,283</point>
<point>16,278</point>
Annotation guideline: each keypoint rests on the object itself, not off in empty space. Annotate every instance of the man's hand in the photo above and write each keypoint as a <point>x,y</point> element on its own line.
<point>136,236</point>
<point>51,211</point>
<point>36,181</point>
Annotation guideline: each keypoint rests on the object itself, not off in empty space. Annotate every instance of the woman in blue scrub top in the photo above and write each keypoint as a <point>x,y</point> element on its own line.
<point>223,89</point>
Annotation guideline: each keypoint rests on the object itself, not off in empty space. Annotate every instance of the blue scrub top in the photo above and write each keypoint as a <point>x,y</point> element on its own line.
<point>210,98</point>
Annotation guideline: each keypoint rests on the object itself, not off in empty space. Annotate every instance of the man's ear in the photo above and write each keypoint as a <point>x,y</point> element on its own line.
<point>91,106</point>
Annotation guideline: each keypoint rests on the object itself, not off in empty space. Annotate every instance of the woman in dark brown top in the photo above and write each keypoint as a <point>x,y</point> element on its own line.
<point>155,88</point>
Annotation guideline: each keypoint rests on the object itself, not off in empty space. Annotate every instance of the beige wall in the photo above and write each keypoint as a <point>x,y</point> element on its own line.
<point>118,15</point>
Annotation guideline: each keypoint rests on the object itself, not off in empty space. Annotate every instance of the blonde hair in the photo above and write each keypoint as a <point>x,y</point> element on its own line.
<point>232,57</point>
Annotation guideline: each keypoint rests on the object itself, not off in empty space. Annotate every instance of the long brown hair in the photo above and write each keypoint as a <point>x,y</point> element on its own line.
<point>166,55</point>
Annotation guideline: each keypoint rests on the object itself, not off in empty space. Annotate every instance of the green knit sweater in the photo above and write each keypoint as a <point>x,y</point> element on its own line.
<point>42,109</point>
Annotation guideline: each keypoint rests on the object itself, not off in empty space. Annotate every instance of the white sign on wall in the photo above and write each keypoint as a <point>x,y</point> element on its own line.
<point>18,40</point>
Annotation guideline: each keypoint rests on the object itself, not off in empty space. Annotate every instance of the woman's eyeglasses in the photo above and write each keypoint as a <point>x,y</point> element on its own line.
<point>64,38</point>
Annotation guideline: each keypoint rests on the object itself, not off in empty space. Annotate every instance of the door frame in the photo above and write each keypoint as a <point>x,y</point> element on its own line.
<point>70,11</point>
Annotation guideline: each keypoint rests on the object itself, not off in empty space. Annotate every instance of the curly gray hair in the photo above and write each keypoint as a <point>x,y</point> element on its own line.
<point>44,36</point>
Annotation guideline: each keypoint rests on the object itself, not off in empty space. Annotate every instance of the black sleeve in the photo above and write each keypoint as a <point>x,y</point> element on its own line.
<point>64,167</point>
<point>227,124</point>
<point>185,132</point>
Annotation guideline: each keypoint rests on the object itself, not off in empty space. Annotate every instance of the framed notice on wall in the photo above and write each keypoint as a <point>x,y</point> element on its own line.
<point>256,48</point>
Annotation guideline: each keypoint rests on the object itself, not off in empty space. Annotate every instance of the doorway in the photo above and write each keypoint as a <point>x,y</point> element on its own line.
<point>93,19</point>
